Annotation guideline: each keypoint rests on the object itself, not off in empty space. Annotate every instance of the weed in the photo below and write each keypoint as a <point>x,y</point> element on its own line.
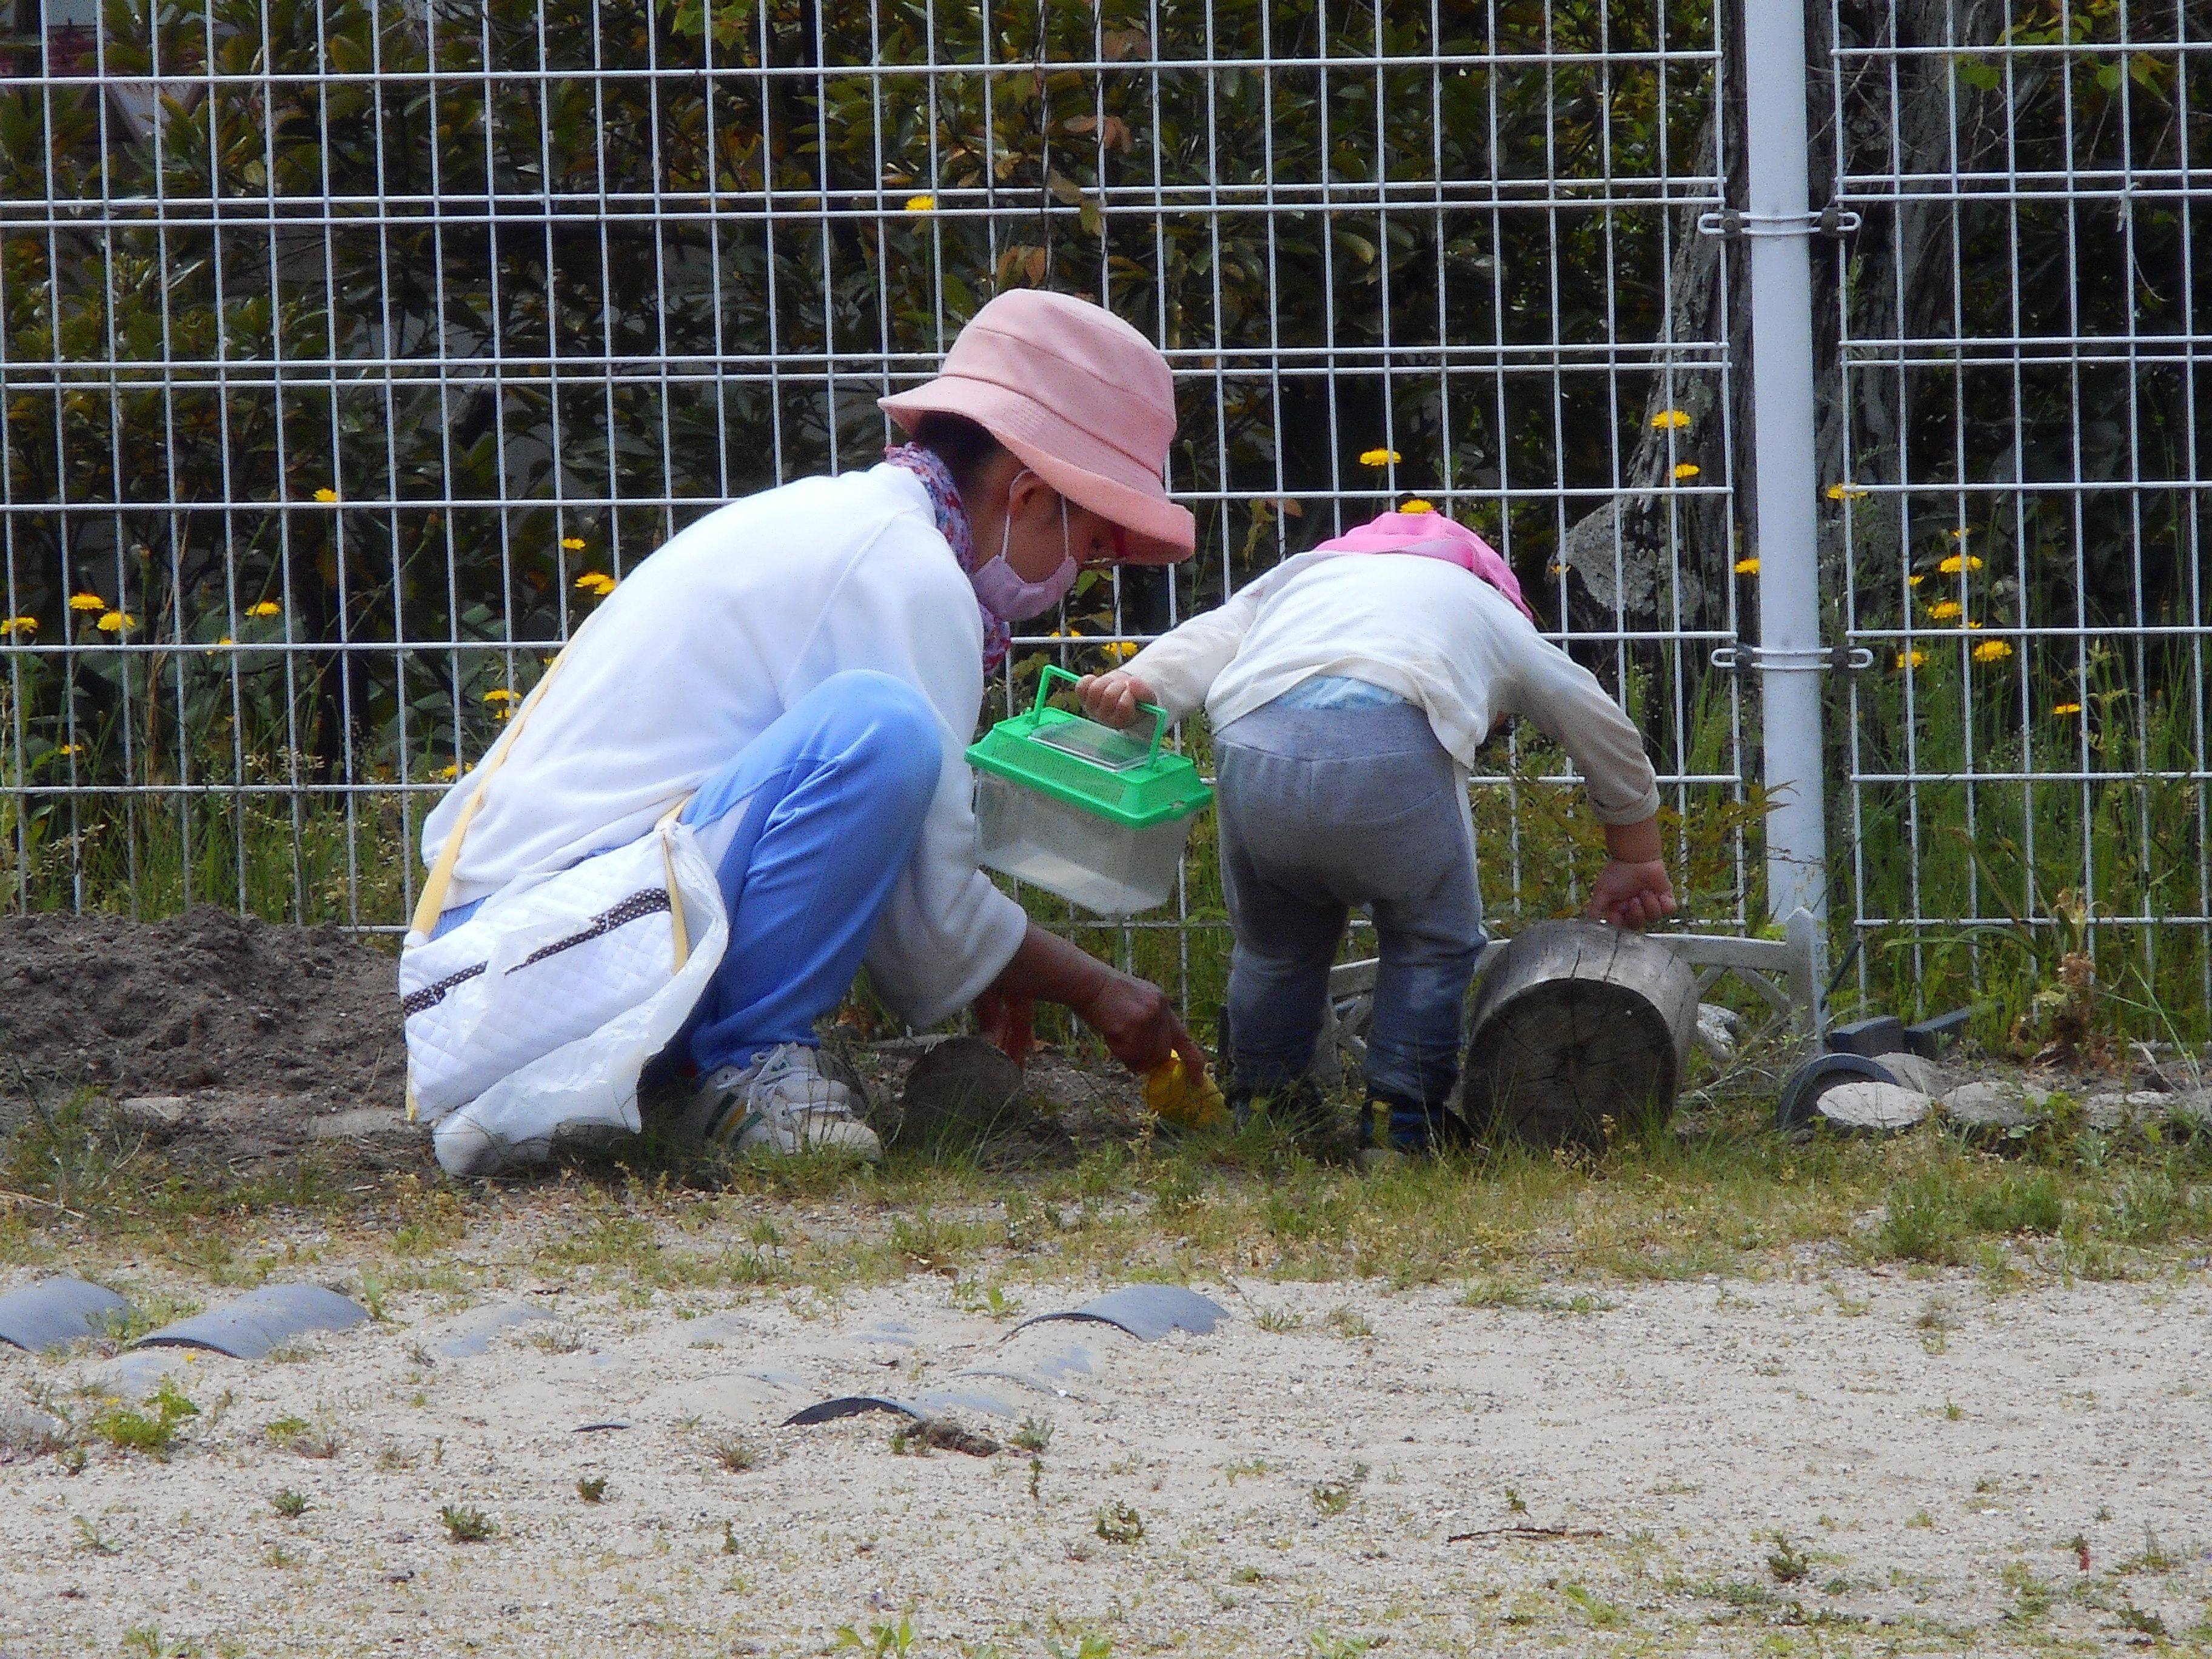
<point>390,1458</point>
<point>1513,1502</point>
<point>1037,1479</point>
<point>1278,1321</point>
<point>559,1339</point>
<point>467,1526</point>
<point>591,1488</point>
<point>1323,1645</point>
<point>1034,1434</point>
<point>1922,1520</point>
<point>1090,1646</point>
<point>2031,1596</point>
<point>1331,1497</point>
<point>734,1454</point>
<point>950,1434</point>
<point>1247,1576</point>
<point>275,1555</point>
<point>2154,1557</point>
<point>1952,1411</point>
<point>883,1641</point>
<point>283,1431</point>
<point>730,1545</point>
<point>2145,1623</point>
<point>971,1297</point>
<point>1837,1587</point>
<point>2019,1204</point>
<point>1786,1561</point>
<point>155,1431</point>
<point>1250,1468</point>
<point>1118,1523</point>
<point>1602,1614</point>
<point>91,1540</point>
<point>289,1504</point>
<point>146,1641</point>
<point>1348,1322</point>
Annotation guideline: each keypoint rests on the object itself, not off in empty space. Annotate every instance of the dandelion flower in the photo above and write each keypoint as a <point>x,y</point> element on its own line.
<point>1944,610</point>
<point>87,602</point>
<point>1670,419</point>
<point>1687,470</point>
<point>326,495</point>
<point>117,622</point>
<point>449,773</point>
<point>1122,650</point>
<point>1911,658</point>
<point>2065,709</point>
<point>265,608</point>
<point>596,583</point>
<point>1958,562</point>
<point>19,625</point>
<point>1992,651</point>
<point>499,694</point>
<point>1916,578</point>
<point>1417,505</point>
<point>921,204</point>
<point>1380,458</point>
<point>574,543</point>
<point>70,749</point>
<point>1747,567</point>
<point>1846,492</point>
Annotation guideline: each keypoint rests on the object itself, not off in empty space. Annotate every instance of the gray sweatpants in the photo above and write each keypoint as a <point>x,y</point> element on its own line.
<point>1319,809</point>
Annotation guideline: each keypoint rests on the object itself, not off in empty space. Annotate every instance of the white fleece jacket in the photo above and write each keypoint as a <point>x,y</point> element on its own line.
<point>710,640</point>
<point>1437,637</point>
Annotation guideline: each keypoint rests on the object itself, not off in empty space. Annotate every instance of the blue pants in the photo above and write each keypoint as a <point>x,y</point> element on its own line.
<point>809,828</point>
<point>1322,808</point>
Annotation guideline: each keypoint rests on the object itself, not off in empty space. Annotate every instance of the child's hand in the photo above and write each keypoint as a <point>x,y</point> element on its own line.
<point>1631,895</point>
<point>1111,698</point>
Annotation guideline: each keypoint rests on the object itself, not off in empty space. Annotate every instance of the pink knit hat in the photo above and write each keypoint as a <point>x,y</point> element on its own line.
<point>1080,398</point>
<point>1432,536</point>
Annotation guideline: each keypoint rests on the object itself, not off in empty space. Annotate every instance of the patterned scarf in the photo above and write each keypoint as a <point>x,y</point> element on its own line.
<point>952,525</point>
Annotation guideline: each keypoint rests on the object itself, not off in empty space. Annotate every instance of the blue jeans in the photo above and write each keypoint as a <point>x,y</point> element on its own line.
<point>809,827</point>
<point>1321,808</point>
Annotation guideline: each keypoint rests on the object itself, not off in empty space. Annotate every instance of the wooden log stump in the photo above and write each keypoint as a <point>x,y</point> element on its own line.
<point>1576,1024</point>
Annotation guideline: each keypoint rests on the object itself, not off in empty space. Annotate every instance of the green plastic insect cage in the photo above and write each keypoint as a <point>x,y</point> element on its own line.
<point>1095,814</point>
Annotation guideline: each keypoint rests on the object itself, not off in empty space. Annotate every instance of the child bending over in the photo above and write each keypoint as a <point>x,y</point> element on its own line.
<point>1350,688</point>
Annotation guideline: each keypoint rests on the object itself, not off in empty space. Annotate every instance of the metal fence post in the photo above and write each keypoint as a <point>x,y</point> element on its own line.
<point>1777,225</point>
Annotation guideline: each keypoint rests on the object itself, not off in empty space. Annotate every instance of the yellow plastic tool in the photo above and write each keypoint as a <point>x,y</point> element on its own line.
<point>1170,1093</point>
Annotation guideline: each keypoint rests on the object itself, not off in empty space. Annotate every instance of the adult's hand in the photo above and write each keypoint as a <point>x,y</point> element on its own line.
<point>1111,698</point>
<point>1134,1016</point>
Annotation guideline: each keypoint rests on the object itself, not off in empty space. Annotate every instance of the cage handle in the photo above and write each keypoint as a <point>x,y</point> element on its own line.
<point>1159,714</point>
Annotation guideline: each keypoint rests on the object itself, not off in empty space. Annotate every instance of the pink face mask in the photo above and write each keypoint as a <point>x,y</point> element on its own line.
<point>1000,586</point>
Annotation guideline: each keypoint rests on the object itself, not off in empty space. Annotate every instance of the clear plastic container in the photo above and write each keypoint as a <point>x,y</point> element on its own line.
<point>1106,867</point>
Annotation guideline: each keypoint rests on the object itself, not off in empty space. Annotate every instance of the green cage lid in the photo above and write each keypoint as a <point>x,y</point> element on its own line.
<point>1116,776</point>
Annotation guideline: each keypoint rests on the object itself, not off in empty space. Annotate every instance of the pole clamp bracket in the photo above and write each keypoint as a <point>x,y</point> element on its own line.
<point>1833,220</point>
<point>1794,659</point>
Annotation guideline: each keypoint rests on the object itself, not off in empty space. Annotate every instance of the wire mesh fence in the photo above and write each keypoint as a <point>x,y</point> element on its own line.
<point>2019,492</point>
<point>350,349</point>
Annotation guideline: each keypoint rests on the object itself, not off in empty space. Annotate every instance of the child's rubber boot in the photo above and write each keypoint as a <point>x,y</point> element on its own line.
<point>1413,1127</point>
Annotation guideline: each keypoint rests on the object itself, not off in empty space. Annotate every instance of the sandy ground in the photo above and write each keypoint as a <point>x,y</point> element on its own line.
<point>1301,1475</point>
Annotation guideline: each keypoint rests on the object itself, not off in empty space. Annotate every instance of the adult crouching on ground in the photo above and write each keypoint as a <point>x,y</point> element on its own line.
<point>807,665</point>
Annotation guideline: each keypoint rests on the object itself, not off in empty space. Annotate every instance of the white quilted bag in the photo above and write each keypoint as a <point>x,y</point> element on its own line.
<point>540,1011</point>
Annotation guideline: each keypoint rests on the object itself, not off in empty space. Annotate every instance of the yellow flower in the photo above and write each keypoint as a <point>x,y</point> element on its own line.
<point>1747,567</point>
<point>574,543</point>
<point>19,625</point>
<point>1992,651</point>
<point>1916,578</point>
<point>1667,418</point>
<point>499,694</point>
<point>1959,535</point>
<point>921,204</point>
<point>70,749</point>
<point>1846,492</point>
<point>2067,708</point>
<point>1122,650</point>
<point>1417,505</point>
<point>87,602</point>
<point>1944,610</point>
<point>225,640</point>
<point>596,583</point>
<point>449,773</point>
<point>1380,458</point>
<point>326,495</point>
<point>1687,470</point>
<point>1911,658</point>
<point>117,622</point>
<point>1958,561</point>
<point>265,608</point>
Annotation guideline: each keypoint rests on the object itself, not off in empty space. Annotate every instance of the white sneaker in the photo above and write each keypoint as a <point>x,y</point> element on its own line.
<point>781,1104</point>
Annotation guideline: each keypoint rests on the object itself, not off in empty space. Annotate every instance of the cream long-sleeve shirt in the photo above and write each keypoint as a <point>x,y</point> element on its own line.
<point>708,641</point>
<point>1430,632</point>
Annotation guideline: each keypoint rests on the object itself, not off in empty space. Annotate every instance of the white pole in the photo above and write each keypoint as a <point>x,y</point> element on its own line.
<point>1778,222</point>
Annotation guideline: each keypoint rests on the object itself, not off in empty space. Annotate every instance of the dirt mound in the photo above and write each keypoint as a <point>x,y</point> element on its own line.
<point>207,1006</point>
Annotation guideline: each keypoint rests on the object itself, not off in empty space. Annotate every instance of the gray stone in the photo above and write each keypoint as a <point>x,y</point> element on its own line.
<point>362,1123</point>
<point>1874,1108</point>
<point>2117,1109</point>
<point>1913,1071</point>
<point>156,1116</point>
<point>27,1429</point>
<point>1987,1103</point>
<point>1719,1030</point>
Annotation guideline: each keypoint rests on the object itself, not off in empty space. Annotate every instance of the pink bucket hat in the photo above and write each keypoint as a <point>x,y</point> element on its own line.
<point>1080,398</point>
<point>1432,536</point>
